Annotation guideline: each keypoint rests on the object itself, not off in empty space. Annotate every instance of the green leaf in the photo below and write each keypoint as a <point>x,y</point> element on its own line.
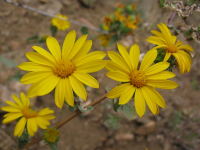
<point>84,30</point>
<point>84,109</point>
<point>190,2</point>
<point>161,3</point>
<point>53,30</point>
<point>128,111</point>
<point>71,108</point>
<point>113,39</point>
<point>23,139</point>
<point>116,104</point>
<point>112,121</point>
<point>7,62</point>
<point>32,39</point>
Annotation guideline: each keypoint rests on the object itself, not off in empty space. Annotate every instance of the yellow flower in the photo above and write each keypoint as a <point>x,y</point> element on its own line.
<point>61,24</point>
<point>131,24</point>
<point>141,80</point>
<point>105,39</point>
<point>51,135</point>
<point>65,70</point>
<point>107,21</point>
<point>120,17</point>
<point>165,40</point>
<point>27,117</point>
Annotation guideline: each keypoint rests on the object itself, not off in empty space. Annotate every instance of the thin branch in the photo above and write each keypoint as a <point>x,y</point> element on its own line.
<point>53,16</point>
<point>59,125</point>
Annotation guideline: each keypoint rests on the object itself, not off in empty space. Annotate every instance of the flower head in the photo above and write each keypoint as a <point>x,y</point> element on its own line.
<point>60,24</point>
<point>108,20</point>
<point>131,23</point>
<point>27,117</point>
<point>51,135</point>
<point>65,70</point>
<point>105,39</point>
<point>139,81</point>
<point>165,40</point>
<point>120,17</point>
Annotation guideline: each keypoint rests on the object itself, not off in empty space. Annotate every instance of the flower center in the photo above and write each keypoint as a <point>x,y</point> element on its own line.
<point>51,135</point>
<point>29,113</point>
<point>63,68</point>
<point>138,78</point>
<point>172,48</point>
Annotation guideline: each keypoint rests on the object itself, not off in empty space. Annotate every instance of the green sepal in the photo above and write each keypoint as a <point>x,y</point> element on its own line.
<point>23,139</point>
<point>53,30</point>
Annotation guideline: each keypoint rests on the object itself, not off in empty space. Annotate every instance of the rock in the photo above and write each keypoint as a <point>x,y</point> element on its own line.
<point>144,120</point>
<point>146,129</point>
<point>124,136</point>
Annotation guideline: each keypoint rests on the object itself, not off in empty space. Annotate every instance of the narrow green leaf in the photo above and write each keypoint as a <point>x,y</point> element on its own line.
<point>53,30</point>
<point>84,30</point>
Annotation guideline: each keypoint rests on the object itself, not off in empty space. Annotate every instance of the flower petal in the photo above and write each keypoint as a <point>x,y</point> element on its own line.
<point>161,75</point>
<point>60,93</point>
<point>12,117</point>
<point>17,100</point>
<point>148,59</point>
<point>45,111</point>
<point>139,102</point>
<point>31,66</point>
<point>118,76</point>
<point>29,127</point>
<point>10,109</point>
<point>134,56</point>
<point>23,98</point>
<point>69,97</point>
<point>162,84</point>
<point>68,44</point>
<point>186,47</point>
<point>78,87</point>
<point>158,67</point>
<point>117,91</point>
<point>155,40</point>
<point>86,79</point>
<point>127,95</point>
<point>20,126</point>
<point>13,104</point>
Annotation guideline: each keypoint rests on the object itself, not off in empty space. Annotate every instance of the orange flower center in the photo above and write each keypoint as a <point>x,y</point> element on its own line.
<point>64,68</point>
<point>29,113</point>
<point>172,48</point>
<point>138,78</point>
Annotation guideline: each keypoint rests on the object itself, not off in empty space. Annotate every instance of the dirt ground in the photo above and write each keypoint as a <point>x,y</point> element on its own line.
<point>175,128</point>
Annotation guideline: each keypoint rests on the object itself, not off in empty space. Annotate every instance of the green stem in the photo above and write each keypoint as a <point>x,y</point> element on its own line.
<point>53,146</point>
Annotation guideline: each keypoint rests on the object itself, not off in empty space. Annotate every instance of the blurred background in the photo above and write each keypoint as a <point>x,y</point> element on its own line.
<point>175,128</point>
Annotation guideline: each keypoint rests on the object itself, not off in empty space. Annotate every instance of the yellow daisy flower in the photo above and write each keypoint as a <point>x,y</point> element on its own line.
<point>27,117</point>
<point>165,40</point>
<point>61,24</point>
<point>107,21</point>
<point>105,39</point>
<point>131,23</point>
<point>120,17</point>
<point>65,70</point>
<point>139,81</point>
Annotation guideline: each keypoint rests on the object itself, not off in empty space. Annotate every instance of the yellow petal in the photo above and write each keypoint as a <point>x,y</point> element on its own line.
<point>17,100</point>
<point>149,100</point>
<point>168,34</point>
<point>158,67</point>
<point>10,109</point>
<point>77,46</point>
<point>90,57</point>
<point>60,93</point>
<point>86,79</point>
<point>54,47</point>
<point>174,39</point>
<point>83,51</point>
<point>165,32</point>
<point>181,62</point>
<point>112,66</point>
<point>116,91</point>
<point>49,117</point>
<point>126,95</point>
<point>162,84</point>
<point>178,43</point>
<point>69,97</point>
<point>20,126</point>
<point>118,76</point>
<point>40,123</point>
<point>45,111</point>
<point>139,102</point>
<point>44,53</point>
<point>13,104</point>
<point>157,33</point>
<point>29,127</point>
<point>186,47</point>
<point>78,87</point>
<point>23,98</point>
<point>12,118</point>
<point>185,54</point>
<point>34,124</point>
<point>167,56</point>
<point>155,40</point>
<point>43,87</point>
<point>68,44</point>
<point>125,55</point>
<point>148,59</point>
<point>31,66</point>
<point>118,60</point>
<point>33,77</point>
<point>161,75</point>
<point>92,66</point>
<point>134,56</point>
<point>43,121</point>
<point>39,59</point>
<point>155,96</point>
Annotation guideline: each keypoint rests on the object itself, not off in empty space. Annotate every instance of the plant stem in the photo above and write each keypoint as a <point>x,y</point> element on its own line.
<point>60,124</point>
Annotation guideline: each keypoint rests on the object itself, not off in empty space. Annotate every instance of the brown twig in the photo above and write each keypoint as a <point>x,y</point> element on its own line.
<point>59,125</point>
